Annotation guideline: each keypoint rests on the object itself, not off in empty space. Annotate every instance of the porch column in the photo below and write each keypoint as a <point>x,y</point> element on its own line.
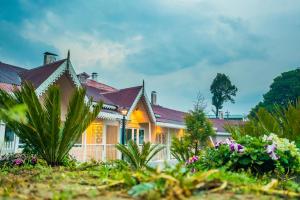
<point>2,134</point>
<point>16,143</point>
<point>168,145</point>
<point>150,132</point>
<point>84,146</point>
<point>104,143</point>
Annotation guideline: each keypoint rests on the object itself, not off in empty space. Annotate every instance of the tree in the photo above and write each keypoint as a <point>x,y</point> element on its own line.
<point>223,90</point>
<point>198,129</point>
<point>43,129</point>
<point>285,89</point>
<point>137,158</point>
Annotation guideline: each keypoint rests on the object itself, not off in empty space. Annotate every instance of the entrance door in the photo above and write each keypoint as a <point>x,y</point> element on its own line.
<point>135,134</point>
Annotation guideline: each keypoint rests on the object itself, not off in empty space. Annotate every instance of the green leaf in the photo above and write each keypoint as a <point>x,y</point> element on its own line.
<point>141,189</point>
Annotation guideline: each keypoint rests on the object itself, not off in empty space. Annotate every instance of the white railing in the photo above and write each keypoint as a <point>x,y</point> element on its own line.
<point>105,152</point>
<point>7,147</point>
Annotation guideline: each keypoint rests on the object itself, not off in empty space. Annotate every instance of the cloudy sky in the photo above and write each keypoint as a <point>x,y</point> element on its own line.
<point>176,46</point>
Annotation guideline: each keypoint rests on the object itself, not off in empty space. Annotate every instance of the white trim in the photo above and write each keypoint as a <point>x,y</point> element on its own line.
<point>223,134</point>
<point>137,99</point>
<point>135,102</point>
<point>51,79</point>
<point>73,75</point>
<point>149,106</point>
<point>169,125</point>
<point>110,107</point>
<point>109,116</point>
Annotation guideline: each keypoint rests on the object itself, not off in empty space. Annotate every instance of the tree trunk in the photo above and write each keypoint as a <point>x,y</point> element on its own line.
<point>217,112</point>
<point>196,148</point>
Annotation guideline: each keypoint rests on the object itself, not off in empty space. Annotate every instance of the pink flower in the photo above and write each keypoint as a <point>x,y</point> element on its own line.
<point>18,162</point>
<point>270,149</point>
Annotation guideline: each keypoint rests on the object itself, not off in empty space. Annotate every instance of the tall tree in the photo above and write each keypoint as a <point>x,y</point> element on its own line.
<point>223,90</point>
<point>43,129</point>
<point>285,89</point>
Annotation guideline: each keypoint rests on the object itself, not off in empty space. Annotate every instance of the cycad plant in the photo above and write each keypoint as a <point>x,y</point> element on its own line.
<point>44,130</point>
<point>180,149</point>
<point>139,158</point>
<point>283,121</point>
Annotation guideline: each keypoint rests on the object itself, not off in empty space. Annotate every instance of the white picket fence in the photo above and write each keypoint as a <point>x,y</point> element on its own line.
<point>99,152</point>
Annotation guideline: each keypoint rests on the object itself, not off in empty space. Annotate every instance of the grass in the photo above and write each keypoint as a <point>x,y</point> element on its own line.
<point>116,181</point>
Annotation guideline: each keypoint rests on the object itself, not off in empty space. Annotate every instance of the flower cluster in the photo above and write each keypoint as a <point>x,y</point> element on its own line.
<point>17,159</point>
<point>283,144</point>
<point>270,149</point>
<point>18,162</point>
<point>233,146</point>
<point>193,159</point>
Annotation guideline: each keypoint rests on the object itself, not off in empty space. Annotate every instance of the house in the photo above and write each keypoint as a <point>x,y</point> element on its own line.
<point>145,119</point>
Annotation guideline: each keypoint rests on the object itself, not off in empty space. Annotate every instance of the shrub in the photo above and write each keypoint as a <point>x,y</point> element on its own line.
<point>139,158</point>
<point>18,159</point>
<point>258,155</point>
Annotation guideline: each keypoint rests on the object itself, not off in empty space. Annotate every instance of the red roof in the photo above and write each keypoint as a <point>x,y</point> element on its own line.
<point>38,75</point>
<point>100,86</point>
<point>124,97</point>
<point>168,115</point>
<point>8,87</point>
<point>95,93</point>
<point>221,123</point>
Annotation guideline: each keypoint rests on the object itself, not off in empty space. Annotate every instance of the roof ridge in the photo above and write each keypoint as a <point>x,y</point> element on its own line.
<point>57,61</point>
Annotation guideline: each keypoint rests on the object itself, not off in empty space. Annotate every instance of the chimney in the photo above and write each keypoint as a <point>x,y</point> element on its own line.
<point>83,77</point>
<point>49,58</point>
<point>153,98</point>
<point>94,76</point>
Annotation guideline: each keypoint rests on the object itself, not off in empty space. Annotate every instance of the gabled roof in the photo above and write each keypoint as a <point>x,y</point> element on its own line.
<point>124,97</point>
<point>167,115</point>
<point>10,74</point>
<point>95,93</point>
<point>101,86</point>
<point>38,75</point>
<point>220,124</point>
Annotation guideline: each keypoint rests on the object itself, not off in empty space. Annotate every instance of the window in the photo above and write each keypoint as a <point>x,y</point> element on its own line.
<point>9,135</point>
<point>94,133</point>
<point>137,135</point>
<point>160,138</point>
<point>141,136</point>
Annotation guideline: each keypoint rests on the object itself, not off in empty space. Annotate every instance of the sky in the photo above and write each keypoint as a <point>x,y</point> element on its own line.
<point>176,46</point>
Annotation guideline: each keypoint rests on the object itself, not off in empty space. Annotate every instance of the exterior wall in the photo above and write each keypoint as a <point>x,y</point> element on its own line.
<point>67,88</point>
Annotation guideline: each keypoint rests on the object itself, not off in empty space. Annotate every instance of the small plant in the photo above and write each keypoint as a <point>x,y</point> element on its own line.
<point>139,158</point>
<point>18,159</point>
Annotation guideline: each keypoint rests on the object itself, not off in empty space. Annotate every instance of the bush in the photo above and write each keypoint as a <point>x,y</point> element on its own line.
<point>257,155</point>
<point>18,159</point>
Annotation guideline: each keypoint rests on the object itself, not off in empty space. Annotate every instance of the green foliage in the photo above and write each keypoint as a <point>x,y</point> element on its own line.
<point>136,157</point>
<point>259,155</point>
<point>223,90</point>
<point>198,131</point>
<point>180,149</point>
<point>285,89</point>
<point>283,121</point>
<point>44,130</point>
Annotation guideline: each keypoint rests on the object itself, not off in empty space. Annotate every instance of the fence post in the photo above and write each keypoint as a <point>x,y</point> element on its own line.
<point>2,134</point>
<point>169,146</point>
<point>84,146</point>
<point>104,144</point>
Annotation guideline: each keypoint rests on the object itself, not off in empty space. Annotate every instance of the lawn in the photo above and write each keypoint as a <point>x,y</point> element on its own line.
<point>116,181</point>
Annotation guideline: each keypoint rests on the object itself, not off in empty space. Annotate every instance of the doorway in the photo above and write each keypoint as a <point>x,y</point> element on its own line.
<point>135,134</point>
